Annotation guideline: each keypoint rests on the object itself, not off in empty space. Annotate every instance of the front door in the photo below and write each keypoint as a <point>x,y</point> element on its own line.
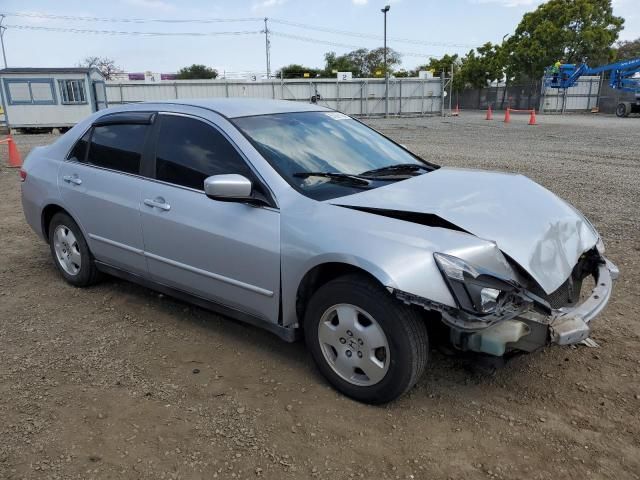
<point>227,252</point>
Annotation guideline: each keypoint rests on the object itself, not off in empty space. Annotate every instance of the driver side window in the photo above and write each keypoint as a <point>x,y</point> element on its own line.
<point>188,151</point>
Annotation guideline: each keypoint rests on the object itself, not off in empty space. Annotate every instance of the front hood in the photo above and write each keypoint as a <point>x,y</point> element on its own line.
<point>538,230</point>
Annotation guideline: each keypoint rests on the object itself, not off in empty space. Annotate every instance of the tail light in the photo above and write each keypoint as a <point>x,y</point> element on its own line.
<point>23,175</point>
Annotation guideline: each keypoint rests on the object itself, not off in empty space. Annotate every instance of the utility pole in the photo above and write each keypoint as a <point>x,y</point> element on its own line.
<point>267,47</point>
<point>2,29</point>
<point>386,73</point>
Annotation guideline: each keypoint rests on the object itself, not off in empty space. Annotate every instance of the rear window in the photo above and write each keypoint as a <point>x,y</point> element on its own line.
<point>117,147</point>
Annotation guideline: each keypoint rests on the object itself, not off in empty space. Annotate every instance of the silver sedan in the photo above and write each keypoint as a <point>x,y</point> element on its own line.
<point>306,222</point>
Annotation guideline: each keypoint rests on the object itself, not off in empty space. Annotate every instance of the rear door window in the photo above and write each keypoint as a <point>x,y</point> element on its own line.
<point>79,151</point>
<point>189,150</point>
<point>117,147</point>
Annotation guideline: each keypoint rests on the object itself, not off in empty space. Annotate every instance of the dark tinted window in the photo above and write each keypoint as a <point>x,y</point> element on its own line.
<point>79,151</point>
<point>189,151</point>
<point>118,147</point>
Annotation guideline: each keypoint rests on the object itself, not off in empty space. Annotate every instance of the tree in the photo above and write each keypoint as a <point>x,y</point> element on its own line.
<point>196,72</point>
<point>106,66</point>
<point>480,67</point>
<point>567,30</point>
<point>295,70</point>
<point>437,65</point>
<point>627,49</point>
<point>361,62</point>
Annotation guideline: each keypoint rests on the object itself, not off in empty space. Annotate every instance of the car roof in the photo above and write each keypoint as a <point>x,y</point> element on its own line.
<point>245,107</point>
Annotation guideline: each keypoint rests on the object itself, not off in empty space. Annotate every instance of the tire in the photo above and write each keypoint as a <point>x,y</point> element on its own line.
<point>387,372</point>
<point>79,269</point>
<point>622,110</point>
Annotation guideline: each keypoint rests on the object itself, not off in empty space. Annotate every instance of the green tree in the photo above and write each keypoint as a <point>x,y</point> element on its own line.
<point>437,65</point>
<point>481,66</point>
<point>196,72</point>
<point>627,49</point>
<point>361,62</point>
<point>567,30</point>
<point>297,71</point>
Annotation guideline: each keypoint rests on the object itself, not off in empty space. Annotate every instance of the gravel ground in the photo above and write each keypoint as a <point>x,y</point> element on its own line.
<point>117,381</point>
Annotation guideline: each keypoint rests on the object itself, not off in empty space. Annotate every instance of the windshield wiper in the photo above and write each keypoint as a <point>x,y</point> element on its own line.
<point>337,177</point>
<point>397,169</point>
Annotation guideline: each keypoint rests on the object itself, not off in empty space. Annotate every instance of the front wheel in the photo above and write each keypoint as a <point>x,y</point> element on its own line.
<point>368,345</point>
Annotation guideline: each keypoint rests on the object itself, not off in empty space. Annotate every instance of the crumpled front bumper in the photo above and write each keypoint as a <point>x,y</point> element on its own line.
<point>532,330</point>
<point>571,325</point>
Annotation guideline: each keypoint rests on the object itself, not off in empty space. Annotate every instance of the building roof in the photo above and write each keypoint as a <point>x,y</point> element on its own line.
<point>46,70</point>
<point>245,107</point>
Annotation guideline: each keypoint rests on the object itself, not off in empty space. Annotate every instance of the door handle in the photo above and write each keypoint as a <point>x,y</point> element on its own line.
<point>72,179</point>
<point>157,203</point>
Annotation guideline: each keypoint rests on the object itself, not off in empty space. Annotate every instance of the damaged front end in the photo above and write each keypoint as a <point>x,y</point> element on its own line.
<point>496,315</point>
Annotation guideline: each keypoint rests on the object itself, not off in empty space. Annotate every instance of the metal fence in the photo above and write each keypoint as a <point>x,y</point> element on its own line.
<point>356,97</point>
<point>583,96</point>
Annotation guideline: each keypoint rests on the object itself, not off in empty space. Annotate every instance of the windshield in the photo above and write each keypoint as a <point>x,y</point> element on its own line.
<point>303,146</point>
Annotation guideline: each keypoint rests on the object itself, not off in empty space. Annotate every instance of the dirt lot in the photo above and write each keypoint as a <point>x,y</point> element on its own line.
<point>102,383</point>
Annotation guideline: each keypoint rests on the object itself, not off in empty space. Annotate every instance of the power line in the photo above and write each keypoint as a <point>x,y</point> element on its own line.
<point>367,35</point>
<point>129,20</point>
<point>342,45</point>
<point>142,34</point>
<point>240,19</point>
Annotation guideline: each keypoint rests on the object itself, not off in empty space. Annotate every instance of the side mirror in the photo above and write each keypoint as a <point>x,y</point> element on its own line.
<point>228,187</point>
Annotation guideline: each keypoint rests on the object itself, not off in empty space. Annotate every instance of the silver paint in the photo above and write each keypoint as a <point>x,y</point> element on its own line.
<point>255,258</point>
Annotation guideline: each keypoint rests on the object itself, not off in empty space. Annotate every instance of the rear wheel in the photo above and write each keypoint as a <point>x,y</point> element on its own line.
<point>367,344</point>
<point>70,251</point>
<point>623,109</point>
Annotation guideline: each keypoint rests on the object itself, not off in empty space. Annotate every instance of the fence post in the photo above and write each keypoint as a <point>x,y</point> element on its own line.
<point>121,97</point>
<point>337,94</point>
<point>361,97</point>
<point>589,97</point>
<point>226,87</point>
<point>442,90</point>
<point>599,92</point>
<point>400,97</point>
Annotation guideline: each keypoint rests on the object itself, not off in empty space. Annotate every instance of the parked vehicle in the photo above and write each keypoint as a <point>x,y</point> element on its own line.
<point>306,222</point>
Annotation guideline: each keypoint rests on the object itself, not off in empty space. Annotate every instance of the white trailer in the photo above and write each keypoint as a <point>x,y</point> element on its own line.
<point>50,97</point>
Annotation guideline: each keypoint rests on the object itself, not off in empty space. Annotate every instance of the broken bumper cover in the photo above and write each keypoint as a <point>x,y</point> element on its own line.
<point>571,325</point>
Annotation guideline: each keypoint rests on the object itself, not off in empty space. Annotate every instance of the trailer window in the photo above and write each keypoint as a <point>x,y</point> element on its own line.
<point>30,91</point>
<point>72,91</point>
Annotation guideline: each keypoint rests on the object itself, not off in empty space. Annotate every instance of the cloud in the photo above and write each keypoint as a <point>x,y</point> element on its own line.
<point>360,2</point>
<point>152,4</point>
<point>264,4</point>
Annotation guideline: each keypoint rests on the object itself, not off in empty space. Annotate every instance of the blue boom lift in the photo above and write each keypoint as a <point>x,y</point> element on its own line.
<point>624,76</point>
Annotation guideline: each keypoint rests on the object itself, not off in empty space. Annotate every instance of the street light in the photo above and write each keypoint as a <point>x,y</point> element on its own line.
<point>386,73</point>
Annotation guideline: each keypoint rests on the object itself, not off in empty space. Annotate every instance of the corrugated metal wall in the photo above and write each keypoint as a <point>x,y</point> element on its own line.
<point>581,97</point>
<point>355,97</point>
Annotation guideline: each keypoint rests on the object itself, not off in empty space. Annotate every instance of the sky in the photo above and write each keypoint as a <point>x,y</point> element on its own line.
<point>434,27</point>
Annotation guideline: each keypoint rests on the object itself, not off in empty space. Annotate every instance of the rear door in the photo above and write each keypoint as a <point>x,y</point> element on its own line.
<point>100,184</point>
<point>223,251</point>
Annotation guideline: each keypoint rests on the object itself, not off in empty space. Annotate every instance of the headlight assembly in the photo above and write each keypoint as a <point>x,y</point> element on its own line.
<point>475,289</point>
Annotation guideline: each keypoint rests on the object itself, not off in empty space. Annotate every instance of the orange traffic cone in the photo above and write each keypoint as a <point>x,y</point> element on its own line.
<point>14,155</point>
<point>532,118</point>
<point>507,115</point>
<point>489,114</point>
